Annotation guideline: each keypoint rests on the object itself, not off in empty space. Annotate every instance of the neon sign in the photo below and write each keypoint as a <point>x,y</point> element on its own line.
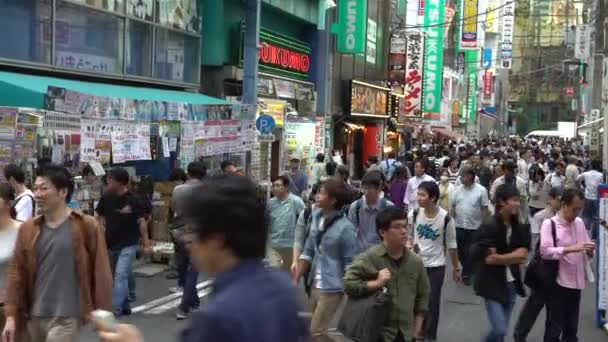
<point>275,56</point>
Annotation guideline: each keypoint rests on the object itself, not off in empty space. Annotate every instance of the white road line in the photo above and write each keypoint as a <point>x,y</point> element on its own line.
<point>165,299</point>
<point>173,304</point>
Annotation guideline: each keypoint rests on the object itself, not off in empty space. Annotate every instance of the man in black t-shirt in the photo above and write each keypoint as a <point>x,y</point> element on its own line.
<point>123,216</point>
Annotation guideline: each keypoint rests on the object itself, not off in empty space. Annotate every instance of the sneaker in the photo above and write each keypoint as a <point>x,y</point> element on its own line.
<point>176,289</point>
<point>180,316</point>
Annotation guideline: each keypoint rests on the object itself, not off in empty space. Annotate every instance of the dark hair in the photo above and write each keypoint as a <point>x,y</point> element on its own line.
<point>336,190</point>
<point>284,180</point>
<point>400,171</point>
<point>373,178</point>
<point>343,171</point>
<point>504,192</point>
<point>570,194</point>
<point>87,170</point>
<point>555,192</point>
<point>15,172</point>
<point>225,164</point>
<point>320,157</point>
<point>372,159</point>
<point>178,174</point>
<point>8,194</point>
<point>386,216</point>
<point>596,165</point>
<point>60,177</point>
<point>330,168</point>
<point>197,170</point>
<point>509,165</point>
<point>431,189</point>
<point>120,175</point>
<point>423,162</point>
<point>229,205</point>
<point>469,170</point>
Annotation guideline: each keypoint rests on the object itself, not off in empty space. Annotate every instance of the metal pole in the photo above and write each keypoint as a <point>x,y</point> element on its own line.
<point>323,72</point>
<point>250,62</point>
<point>252,39</point>
<point>466,115</point>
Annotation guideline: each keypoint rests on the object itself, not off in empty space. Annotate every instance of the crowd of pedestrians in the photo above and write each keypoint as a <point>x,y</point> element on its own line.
<point>502,216</point>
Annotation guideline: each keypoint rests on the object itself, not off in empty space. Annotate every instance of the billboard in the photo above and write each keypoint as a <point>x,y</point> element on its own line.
<point>506,45</point>
<point>369,100</point>
<point>413,75</point>
<point>433,61</point>
<point>351,26</point>
<point>468,39</point>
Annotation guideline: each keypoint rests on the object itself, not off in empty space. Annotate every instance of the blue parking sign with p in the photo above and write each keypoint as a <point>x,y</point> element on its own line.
<point>265,124</point>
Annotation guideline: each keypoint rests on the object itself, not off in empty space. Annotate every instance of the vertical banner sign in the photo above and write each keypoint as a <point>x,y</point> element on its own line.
<point>471,63</point>
<point>413,75</point>
<point>605,79</point>
<point>487,85</point>
<point>602,269</point>
<point>508,24</point>
<point>470,17</point>
<point>582,42</point>
<point>351,26</point>
<point>487,58</point>
<point>460,63</point>
<point>433,61</point>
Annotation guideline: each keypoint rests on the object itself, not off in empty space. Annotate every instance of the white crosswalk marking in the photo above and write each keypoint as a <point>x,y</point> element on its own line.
<point>170,301</point>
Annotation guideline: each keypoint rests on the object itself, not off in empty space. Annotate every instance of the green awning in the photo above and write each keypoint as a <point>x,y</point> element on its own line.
<point>22,90</point>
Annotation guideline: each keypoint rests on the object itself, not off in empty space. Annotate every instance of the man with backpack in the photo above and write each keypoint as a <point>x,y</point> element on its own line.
<point>362,212</point>
<point>389,165</point>
<point>24,203</point>
<point>434,236</point>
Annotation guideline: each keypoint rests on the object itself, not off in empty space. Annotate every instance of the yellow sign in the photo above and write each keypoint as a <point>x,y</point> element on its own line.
<point>490,19</point>
<point>276,109</point>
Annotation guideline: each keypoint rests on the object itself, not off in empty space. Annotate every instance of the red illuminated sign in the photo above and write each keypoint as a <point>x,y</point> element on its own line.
<point>283,58</point>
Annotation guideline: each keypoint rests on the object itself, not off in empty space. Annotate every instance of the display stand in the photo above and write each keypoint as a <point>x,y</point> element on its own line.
<point>602,259</point>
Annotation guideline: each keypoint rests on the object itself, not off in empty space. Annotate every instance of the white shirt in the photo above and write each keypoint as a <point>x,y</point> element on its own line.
<point>510,277</point>
<point>555,181</point>
<point>429,236</point>
<point>468,203</point>
<point>24,205</point>
<point>592,180</point>
<point>412,188</point>
<point>522,169</point>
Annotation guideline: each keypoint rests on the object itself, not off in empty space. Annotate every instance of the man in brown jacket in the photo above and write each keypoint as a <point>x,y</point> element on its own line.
<point>60,272</point>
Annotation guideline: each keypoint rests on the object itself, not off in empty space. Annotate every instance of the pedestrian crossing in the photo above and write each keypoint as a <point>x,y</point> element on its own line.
<point>170,302</point>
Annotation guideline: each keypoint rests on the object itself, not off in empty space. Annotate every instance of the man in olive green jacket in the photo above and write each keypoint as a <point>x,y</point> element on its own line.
<point>393,266</point>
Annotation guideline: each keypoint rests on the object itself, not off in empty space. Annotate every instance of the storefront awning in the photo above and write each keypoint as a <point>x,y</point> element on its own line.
<point>22,90</point>
<point>448,133</point>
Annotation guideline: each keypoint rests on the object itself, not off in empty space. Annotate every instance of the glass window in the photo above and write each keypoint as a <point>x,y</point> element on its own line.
<point>88,40</point>
<point>179,14</point>
<point>141,9</point>
<point>27,30</point>
<point>139,48</point>
<point>109,5</point>
<point>176,57</point>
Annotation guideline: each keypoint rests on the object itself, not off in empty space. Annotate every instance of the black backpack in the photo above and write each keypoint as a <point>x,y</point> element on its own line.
<point>446,220</point>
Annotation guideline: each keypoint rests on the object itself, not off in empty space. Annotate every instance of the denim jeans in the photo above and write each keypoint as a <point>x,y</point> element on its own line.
<point>122,261</point>
<point>182,262</point>
<point>590,215</point>
<point>190,298</point>
<point>499,315</point>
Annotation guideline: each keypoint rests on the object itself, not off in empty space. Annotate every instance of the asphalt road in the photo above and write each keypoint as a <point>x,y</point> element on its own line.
<point>462,317</point>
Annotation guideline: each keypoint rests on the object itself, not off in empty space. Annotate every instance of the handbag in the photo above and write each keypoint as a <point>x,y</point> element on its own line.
<point>541,273</point>
<point>365,316</point>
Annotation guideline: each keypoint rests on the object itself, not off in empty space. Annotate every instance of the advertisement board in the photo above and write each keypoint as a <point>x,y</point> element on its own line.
<point>369,100</point>
<point>468,39</point>
<point>351,26</point>
<point>487,84</point>
<point>433,61</point>
<point>471,103</point>
<point>506,45</point>
<point>413,75</point>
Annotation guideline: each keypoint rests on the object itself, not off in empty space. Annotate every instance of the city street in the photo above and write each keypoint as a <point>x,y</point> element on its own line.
<point>463,316</point>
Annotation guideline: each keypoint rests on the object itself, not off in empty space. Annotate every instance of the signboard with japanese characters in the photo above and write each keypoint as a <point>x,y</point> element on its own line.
<point>369,100</point>
<point>469,36</point>
<point>506,45</point>
<point>413,76</point>
<point>130,141</point>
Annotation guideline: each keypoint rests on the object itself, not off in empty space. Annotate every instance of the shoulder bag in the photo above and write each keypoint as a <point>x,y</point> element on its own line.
<point>541,273</point>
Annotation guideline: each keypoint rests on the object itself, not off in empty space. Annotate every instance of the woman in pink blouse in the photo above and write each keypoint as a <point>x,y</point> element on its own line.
<point>570,248</point>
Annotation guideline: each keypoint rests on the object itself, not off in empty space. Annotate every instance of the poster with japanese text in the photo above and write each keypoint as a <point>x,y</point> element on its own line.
<point>95,140</point>
<point>412,107</point>
<point>131,141</point>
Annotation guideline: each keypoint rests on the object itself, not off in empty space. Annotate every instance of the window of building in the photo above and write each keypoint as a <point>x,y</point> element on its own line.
<point>108,5</point>
<point>140,9</point>
<point>95,40</point>
<point>27,28</point>
<point>176,56</point>
<point>178,14</point>
<point>139,48</point>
